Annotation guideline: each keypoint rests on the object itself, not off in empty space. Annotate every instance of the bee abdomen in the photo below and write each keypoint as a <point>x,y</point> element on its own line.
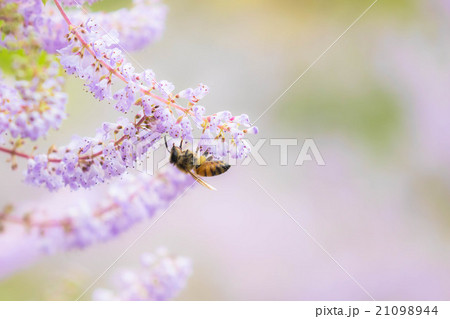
<point>212,168</point>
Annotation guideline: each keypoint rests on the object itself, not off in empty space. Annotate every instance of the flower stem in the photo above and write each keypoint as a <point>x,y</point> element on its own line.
<point>107,66</point>
<point>63,222</point>
<point>13,152</point>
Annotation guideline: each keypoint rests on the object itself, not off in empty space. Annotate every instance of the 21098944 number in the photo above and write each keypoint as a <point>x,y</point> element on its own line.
<point>406,310</point>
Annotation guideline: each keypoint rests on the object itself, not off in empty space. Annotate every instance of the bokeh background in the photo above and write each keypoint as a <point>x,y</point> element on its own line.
<point>377,106</point>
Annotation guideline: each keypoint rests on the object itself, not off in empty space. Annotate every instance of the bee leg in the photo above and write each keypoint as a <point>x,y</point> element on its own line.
<point>181,143</point>
<point>207,156</point>
<point>165,141</point>
<point>190,160</point>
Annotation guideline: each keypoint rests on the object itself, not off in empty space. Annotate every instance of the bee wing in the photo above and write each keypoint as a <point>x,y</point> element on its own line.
<point>201,181</point>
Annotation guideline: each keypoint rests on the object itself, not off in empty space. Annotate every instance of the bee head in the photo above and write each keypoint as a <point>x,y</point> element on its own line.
<point>175,153</point>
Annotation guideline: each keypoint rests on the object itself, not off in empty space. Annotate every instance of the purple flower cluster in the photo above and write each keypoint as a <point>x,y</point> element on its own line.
<point>93,55</point>
<point>29,9</point>
<point>29,109</point>
<point>32,102</point>
<point>135,27</point>
<point>161,277</point>
<point>98,217</point>
<point>85,162</point>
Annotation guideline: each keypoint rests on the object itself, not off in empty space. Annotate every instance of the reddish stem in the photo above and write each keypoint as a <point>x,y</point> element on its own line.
<point>72,29</point>
<point>64,15</point>
<point>106,65</point>
<point>13,152</point>
<point>116,72</point>
<point>62,222</point>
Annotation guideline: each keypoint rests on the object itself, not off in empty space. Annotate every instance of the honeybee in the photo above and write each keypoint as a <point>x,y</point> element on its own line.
<point>196,166</point>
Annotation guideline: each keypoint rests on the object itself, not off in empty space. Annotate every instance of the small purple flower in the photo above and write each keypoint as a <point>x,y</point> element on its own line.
<point>165,88</point>
<point>195,95</point>
<point>161,277</point>
<point>31,108</point>
<point>101,218</point>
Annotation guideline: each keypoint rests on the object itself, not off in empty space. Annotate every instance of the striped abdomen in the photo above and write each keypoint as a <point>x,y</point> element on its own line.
<point>211,168</point>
